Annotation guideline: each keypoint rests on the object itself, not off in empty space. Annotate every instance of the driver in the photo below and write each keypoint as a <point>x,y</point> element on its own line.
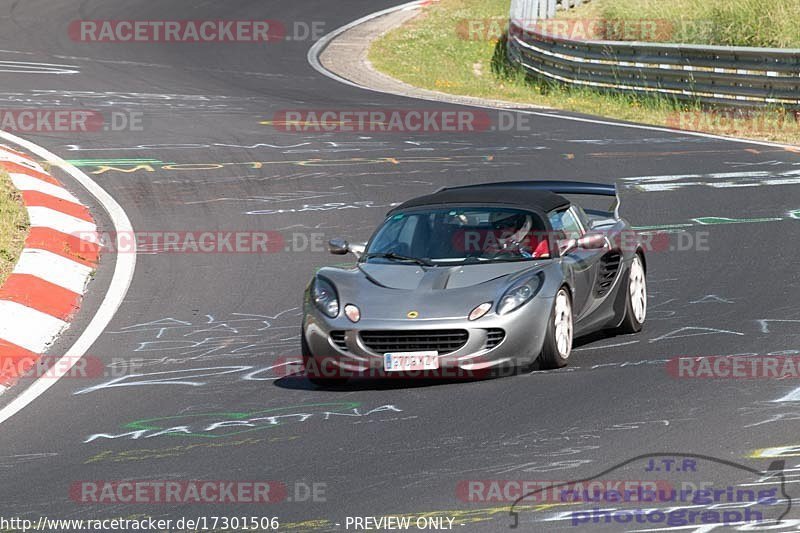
<point>512,234</point>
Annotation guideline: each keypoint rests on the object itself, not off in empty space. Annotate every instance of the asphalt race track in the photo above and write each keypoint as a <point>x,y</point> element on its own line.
<point>198,337</point>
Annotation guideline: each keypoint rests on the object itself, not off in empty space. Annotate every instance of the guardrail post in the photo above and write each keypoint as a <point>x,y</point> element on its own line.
<point>541,9</point>
<point>551,9</point>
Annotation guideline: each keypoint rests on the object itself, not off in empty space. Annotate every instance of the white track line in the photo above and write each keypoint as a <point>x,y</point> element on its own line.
<point>121,280</point>
<point>316,50</point>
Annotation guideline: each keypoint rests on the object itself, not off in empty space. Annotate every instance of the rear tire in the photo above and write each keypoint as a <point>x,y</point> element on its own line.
<point>312,369</point>
<point>635,298</point>
<point>558,337</point>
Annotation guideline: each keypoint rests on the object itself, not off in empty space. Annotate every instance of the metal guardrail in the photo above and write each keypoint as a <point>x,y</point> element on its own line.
<point>716,74</point>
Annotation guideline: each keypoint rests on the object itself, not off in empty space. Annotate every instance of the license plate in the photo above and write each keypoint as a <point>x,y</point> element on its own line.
<point>405,361</point>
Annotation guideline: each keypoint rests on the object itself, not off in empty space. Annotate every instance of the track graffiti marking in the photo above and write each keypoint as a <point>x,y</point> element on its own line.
<point>722,180</point>
<point>237,335</point>
<point>314,145</point>
<point>276,198</point>
<point>191,377</point>
<point>713,221</point>
<point>768,412</point>
<point>256,165</point>
<point>712,298</point>
<point>146,454</point>
<point>10,461</point>
<point>334,206</point>
<point>656,311</point>
<point>765,324</point>
<point>693,331</point>
<point>219,425</point>
<point>793,396</point>
<point>28,67</point>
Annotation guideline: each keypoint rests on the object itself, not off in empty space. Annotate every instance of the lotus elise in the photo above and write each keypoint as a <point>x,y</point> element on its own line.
<point>474,278</point>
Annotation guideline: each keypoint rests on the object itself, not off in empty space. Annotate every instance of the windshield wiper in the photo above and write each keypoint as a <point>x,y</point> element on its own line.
<point>397,257</point>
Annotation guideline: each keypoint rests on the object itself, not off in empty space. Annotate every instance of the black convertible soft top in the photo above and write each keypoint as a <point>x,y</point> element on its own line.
<point>519,194</point>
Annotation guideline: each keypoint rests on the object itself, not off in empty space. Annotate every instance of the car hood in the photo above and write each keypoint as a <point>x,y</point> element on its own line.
<point>391,291</point>
<point>408,277</point>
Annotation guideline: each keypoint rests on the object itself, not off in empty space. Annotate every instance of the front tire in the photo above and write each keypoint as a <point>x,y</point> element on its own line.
<point>635,298</point>
<point>558,338</point>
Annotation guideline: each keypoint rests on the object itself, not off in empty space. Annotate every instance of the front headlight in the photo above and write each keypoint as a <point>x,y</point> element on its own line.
<point>325,298</point>
<point>518,294</point>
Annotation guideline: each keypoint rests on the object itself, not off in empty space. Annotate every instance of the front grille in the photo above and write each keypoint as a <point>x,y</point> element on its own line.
<point>494,336</point>
<point>442,340</point>
<point>338,339</point>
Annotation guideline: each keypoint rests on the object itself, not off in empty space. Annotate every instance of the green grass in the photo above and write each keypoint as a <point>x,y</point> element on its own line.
<point>431,51</point>
<point>770,23</point>
<point>13,226</point>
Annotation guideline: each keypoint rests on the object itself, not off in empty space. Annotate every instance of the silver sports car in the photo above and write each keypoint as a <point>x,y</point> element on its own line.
<point>476,278</point>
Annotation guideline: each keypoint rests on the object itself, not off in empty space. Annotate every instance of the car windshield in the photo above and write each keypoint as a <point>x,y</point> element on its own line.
<point>459,235</point>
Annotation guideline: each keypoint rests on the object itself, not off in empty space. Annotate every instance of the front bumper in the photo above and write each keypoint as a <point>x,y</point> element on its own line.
<point>524,330</point>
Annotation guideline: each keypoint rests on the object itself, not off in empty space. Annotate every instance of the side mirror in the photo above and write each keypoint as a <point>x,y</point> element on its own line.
<point>592,241</point>
<point>358,248</point>
<point>341,247</point>
<point>338,246</point>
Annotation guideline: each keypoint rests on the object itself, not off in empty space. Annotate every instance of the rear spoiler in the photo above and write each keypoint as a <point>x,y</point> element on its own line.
<point>565,187</point>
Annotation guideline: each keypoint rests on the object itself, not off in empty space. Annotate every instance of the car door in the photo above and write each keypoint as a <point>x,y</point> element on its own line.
<point>582,261</point>
<point>610,260</point>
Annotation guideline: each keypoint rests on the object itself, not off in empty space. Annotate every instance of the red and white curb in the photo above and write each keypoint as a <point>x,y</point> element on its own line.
<point>45,288</point>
